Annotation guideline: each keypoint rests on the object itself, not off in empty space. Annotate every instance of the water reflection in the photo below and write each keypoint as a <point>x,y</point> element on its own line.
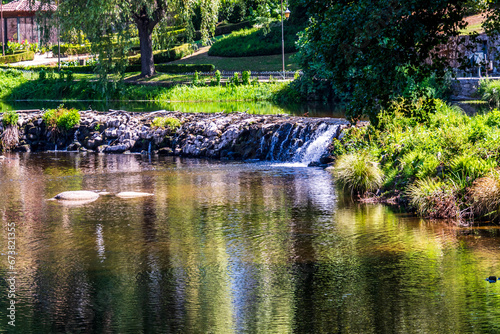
<point>224,248</point>
<point>314,109</point>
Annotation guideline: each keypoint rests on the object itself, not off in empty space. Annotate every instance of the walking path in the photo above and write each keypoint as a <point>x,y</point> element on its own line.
<point>47,59</point>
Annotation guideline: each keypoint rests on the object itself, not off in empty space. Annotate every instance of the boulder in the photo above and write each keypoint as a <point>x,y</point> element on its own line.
<point>133,194</point>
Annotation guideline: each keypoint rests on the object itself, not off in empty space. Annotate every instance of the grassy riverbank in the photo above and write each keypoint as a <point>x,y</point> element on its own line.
<point>430,156</point>
<point>16,85</point>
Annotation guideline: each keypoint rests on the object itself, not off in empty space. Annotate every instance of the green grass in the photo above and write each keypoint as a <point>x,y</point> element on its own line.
<point>255,42</point>
<point>470,29</point>
<point>260,92</point>
<point>358,173</point>
<point>439,155</point>
<point>15,85</point>
<point>254,64</point>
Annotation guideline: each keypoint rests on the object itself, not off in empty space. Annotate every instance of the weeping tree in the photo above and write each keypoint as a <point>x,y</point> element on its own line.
<point>110,25</point>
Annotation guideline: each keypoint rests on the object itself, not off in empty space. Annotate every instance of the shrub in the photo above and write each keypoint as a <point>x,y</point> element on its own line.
<point>166,122</point>
<point>175,68</point>
<point>17,57</point>
<point>61,119</point>
<point>484,196</point>
<point>433,199</point>
<point>358,173</point>
<point>10,118</point>
<point>217,78</point>
<point>245,77</point>
<point>71,49</point>
<point>10,136</point>
<point>164,56</point>
<point>489,90</point>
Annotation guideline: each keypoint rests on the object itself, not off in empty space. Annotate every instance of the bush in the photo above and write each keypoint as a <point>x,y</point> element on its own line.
<point>71,49</point>
<point>166,122</point>
<point>255,42</point>
<point>489,90</point>
<point>433,199</point>
<point>10,118</point>
<point>484,196</point>
<point>164,56</point>
<point>176,68</point>
<point>17,57</point>
<point>245,77</point>
<point>9,138</point>
<point>61,119</point>
<point>358,173</point>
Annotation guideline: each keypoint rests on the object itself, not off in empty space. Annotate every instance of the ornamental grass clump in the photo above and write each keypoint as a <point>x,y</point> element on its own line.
<point>166,122</point>
<point>433,199</point>
<point>9,138</point>
<point>484,196</point>
<point>358,173</point>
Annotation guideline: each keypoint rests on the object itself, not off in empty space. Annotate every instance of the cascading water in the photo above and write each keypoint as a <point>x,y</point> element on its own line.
<point>301,144</point>
<point>313,149</point>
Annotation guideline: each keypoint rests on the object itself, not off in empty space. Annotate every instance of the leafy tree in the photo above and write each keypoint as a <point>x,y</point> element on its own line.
<point>369,48</point>
<point>107,23</point>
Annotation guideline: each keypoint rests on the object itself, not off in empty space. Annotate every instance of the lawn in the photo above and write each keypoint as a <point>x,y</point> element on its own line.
<point>254,64</point>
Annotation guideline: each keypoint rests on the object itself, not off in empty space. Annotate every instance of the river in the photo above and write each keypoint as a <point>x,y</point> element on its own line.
<point>230,247</point>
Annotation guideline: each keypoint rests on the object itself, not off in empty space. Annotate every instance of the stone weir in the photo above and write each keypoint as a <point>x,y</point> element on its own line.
<point>237,136</point>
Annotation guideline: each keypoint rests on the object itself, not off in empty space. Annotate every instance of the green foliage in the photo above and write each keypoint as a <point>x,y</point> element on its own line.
<point>484,196</point>
<point>61,118</point>
<point>433,162</point>
<point>17,57</point>
<point>255,42</point>
<point>164,56</point>
<point>10,118</point>
<point>217,77</point>
<point>489,90</point>
<point>245,78</point>
<point>433,199</point>
<point>372,50</point>
<point>72,49</point>
<point>166,122</point>
<point>358,173</point>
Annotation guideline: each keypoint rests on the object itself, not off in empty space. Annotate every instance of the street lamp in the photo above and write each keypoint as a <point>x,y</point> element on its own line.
<point>286,14</point>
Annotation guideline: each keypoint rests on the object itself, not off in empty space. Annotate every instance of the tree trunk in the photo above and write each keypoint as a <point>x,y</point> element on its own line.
<point>146,42</point>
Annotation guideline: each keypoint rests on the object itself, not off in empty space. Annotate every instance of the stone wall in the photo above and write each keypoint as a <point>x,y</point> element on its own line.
<point>219,136</point>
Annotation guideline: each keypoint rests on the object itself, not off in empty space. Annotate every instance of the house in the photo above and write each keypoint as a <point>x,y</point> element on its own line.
<point>20,22</point>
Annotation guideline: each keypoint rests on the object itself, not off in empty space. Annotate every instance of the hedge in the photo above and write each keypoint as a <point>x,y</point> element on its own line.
<point>17,57</point>
<point>164,56</point>
<point>176,68</point>
<point>72,49</point>
<point>226,29</point>
<point>164,68</point>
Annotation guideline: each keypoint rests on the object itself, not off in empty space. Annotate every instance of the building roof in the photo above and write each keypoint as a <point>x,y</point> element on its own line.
<point>25,6</point>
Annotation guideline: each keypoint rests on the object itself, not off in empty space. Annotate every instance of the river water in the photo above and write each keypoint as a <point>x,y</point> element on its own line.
<point>312,109</point>
<point>227,247</point>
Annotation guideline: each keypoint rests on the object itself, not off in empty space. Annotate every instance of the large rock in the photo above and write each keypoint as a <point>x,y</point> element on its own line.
<point>80,195</point>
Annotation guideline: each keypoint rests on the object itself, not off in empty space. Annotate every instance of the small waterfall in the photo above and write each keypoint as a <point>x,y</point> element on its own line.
<point>317,145</point>
<point>149,148</point>
<point>55,149</point>
<point>300,144</point>
<point>75,138</point>
<point>274,141</point>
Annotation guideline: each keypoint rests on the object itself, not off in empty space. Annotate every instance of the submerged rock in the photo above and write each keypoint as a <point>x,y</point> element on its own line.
<point>132,194</point>
<point>75,196</point>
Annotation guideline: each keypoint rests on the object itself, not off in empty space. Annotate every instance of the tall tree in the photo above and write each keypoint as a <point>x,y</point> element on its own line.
<point>369,48</point>
<point>107,23</point>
